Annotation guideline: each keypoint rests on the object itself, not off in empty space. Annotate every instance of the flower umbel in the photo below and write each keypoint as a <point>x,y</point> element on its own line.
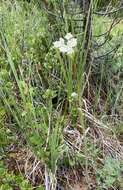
<point>67,44</point>
<point>74,95</point>
<point>59,43</point>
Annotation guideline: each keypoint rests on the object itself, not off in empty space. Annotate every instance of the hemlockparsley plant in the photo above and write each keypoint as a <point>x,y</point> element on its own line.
<point>66,44</point>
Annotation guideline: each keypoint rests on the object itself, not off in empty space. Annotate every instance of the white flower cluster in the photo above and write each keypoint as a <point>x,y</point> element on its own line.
<point>74,96</point>
<point>66,44</point>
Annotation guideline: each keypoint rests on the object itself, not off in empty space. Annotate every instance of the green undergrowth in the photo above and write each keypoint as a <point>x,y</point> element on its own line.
<point>43,93</point>
<point>11,181</point>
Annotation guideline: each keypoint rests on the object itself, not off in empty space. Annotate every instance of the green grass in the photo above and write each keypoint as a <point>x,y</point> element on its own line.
<point>37,83</point>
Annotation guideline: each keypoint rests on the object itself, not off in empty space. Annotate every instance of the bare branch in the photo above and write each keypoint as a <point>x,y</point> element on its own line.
<point>108,13</point>
<point>108,53</point>
<point>108,32</point>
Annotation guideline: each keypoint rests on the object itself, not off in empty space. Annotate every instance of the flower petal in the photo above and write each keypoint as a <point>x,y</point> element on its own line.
<point>74,95</point>
<point>61,40</point>
<point>72,43</point>
<point>68,36</point>
<point>59,43</point>
<point>69,50</point>
<point>56,44</point>
<point>63,49</point>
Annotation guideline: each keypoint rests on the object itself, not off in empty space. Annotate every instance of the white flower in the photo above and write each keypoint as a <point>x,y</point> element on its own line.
<point>74,95</point>
<point>70,50</point>
<point>72,42</point>
<point>59,43</point>
<point>66,46</point>
<point>68,36</point>
<point>66,49</point>
<point>63,49</point>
